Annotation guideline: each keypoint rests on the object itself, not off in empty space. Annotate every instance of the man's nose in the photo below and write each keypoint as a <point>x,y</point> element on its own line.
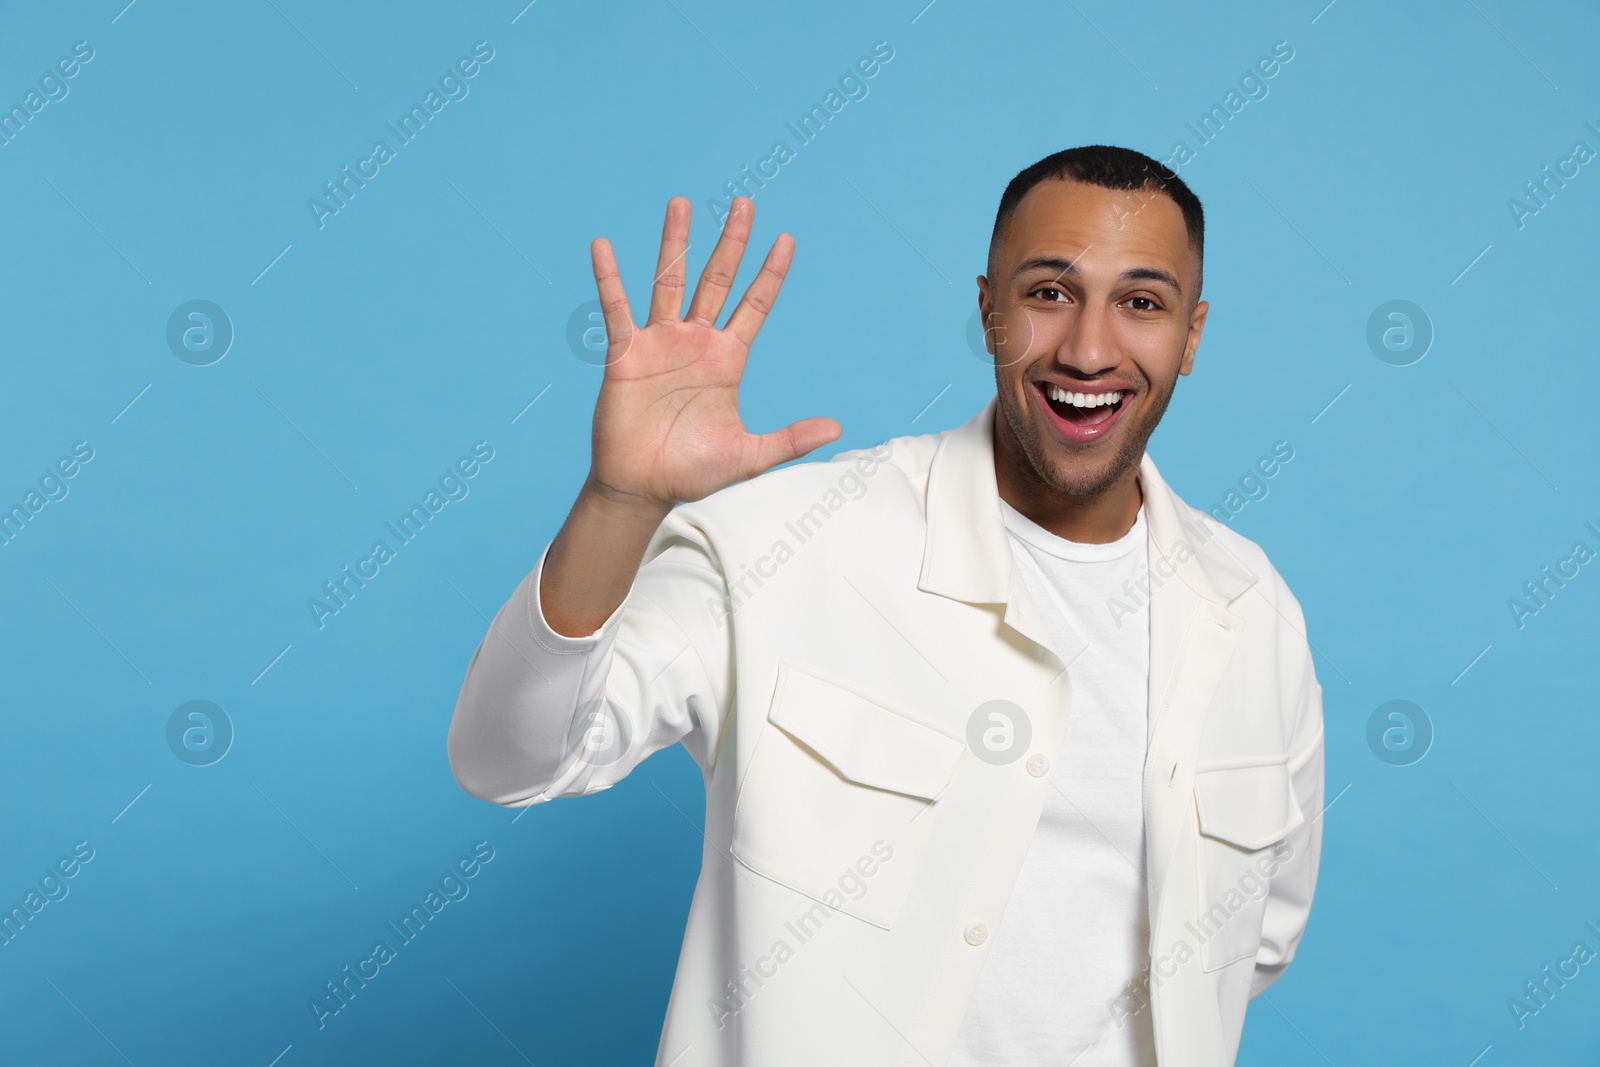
<point>1090,343</point>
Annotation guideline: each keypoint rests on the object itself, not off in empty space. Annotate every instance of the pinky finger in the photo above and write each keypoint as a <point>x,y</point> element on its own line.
<point>746,320</point>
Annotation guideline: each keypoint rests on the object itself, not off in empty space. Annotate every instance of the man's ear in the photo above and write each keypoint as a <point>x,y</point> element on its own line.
<point>985,311</point>
<point>1191,344</point>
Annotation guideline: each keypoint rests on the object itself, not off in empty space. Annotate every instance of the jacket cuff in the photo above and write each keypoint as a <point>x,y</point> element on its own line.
<point>548,638</point>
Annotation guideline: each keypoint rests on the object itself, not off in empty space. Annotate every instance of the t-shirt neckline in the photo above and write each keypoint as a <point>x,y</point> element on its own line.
<point>1076,551</point>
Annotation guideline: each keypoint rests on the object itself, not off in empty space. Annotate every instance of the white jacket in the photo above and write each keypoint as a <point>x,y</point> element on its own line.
<point>819,639</point>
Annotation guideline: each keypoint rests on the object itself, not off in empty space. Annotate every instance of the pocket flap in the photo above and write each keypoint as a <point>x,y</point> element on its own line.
<point>860,738</point>
<point>1251,806</point>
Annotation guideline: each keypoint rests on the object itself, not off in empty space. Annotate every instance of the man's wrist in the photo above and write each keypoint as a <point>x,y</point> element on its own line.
<point>616,506</point>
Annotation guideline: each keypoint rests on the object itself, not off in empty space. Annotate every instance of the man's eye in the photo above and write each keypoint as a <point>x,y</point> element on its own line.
<point>1149,305</point>
<point>1051,293</point>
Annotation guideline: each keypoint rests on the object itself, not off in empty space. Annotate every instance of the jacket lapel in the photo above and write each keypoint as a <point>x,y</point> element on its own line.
<point>966,555</point>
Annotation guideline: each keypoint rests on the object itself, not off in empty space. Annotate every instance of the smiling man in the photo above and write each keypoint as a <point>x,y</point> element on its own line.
<point>1010,755</point>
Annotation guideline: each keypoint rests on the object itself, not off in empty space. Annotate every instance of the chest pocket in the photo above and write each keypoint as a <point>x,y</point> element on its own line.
<point>837,800</point>
<point>1245,809</point>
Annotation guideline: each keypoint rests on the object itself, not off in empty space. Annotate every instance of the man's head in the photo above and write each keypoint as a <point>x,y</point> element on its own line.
<point>1093,291</point>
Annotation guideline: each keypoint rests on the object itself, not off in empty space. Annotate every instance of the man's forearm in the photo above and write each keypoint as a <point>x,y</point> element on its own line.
<point>595,558</point>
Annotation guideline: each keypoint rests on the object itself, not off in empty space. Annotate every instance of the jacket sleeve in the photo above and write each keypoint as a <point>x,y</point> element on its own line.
<point>542,715</point>
<point>1289,902</point>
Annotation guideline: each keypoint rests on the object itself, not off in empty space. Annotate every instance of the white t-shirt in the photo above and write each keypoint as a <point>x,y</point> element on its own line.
<point>1076,928</point>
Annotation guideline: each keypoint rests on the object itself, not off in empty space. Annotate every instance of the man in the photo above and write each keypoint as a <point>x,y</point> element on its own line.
<point>1010,755</point>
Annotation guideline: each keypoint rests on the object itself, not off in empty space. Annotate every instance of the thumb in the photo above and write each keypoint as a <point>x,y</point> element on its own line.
<point>792,442</point>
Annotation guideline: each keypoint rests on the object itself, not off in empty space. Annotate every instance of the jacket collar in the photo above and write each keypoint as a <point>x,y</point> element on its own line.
<point>966,555</point>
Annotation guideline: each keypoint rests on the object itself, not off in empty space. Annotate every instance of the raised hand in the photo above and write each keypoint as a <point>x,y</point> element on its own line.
<point>666,424</point>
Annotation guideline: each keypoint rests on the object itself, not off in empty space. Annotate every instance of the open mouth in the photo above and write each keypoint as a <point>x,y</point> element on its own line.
<point>1082,415</point>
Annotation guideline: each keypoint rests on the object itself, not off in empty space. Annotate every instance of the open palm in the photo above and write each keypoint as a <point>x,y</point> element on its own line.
<point>666,424</point>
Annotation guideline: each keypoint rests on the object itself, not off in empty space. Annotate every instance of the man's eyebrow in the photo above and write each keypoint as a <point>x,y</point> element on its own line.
<point>1058,264</point>
<point>1063,266</point>
<point>1152,274</point>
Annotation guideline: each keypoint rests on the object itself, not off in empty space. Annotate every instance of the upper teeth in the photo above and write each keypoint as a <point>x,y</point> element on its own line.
<point>1081,400</point>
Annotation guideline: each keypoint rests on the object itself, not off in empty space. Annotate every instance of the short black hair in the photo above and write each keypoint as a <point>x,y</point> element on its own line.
<point>1109,167</point>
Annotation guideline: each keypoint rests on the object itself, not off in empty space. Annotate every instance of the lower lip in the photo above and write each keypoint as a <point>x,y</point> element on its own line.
<point>1077,432</point>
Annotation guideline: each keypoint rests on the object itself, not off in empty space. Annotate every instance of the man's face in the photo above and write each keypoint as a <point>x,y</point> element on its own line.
<point>1091,298</point>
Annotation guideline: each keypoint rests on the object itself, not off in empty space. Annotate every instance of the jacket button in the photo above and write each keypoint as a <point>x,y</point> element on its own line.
<point>1038,765</point>
<point>977,934</point>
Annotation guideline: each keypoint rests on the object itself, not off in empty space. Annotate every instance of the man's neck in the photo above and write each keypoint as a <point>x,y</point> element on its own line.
<point>1095,520</point>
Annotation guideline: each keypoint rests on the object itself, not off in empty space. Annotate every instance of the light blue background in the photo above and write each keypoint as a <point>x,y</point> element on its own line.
<point>427,314</point>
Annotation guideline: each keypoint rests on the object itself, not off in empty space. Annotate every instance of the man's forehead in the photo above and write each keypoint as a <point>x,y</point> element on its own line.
<point>1061,217</point>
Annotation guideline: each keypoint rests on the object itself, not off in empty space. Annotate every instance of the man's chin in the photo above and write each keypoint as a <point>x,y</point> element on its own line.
<point>1082,470</point>
<point>1080,479</point>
